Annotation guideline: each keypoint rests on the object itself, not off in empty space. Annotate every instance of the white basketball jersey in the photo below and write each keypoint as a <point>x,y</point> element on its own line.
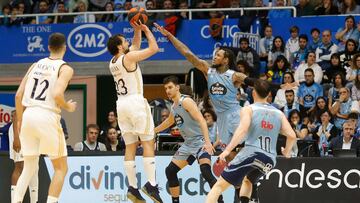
<point>126,82</point>
<point>40,84</point>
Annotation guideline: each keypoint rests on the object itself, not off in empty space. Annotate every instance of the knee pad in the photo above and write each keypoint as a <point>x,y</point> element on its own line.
<point>171,174</point>
<point>207,174</point>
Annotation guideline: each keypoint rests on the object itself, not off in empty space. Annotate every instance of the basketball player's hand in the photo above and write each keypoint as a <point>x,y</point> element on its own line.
<point>71,106</point>
<point>287,154</point>
<point>144,28</point>
<point>16,145</point>
<point>162,30</point>
<point>136,25</point>
<point>208,148</point>
<point>224,154</point>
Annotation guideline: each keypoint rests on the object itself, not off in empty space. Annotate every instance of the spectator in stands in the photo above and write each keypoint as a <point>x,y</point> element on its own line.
<point>304,8</point>
<point>277,49</point>
<point>150,5</point>
<point>81,7</point>
<point>327,8</point>
<point>352,71</point>
<point>348,53</point>
<point>299,128</point>
<point>350,7</point>
<point>44,8</point>
<point>138,3</point>
<point>91,143</point>
<point>314,118</point>
<point>346,141</point>
<point>275,74</point>
<point>334,92</point>
<point>248,54</point>
<point>111,123</point>
<point>291,103</point>
<point>325,132</point>
<point>280,98</point>
<point>233,14</point>
<point>183,4</point>
<point>335,67</point>
<point>292,44</point>
<point>73,5</point>
<point>119,6</point>
<point>315,41</point>
<point>299,56</point>
<point>342,107</point>
<point>349,31</point>
<point>243,67</point>
<point>279,13</point>
<point>63,18</point>
<point>355,90</point>
<point>266,43</point>
<point>109,6</point>
<point>210,118</point>
<point>6,11</point>
<point>308,92</point>
<point>204,4</point>
<point>114,142</point>
<point>354,118</point>
<point>325,50</point>
<point>310,64</point>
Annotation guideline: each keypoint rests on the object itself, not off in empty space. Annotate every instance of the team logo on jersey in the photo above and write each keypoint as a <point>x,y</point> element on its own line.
<point>218,89</point>
<point>308,98</point>
<point>179,120</point>
<point>88,40</point>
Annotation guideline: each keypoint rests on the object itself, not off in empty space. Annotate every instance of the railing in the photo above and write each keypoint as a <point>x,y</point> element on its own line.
<point>190,11</point>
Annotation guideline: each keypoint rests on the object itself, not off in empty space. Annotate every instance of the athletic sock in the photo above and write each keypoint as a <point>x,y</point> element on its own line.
<point>52,199</point>
<point>12,192</point>
<point>175,199</point>
<point>130,170</point>
<point>34,187</point>
<point>149,167</point>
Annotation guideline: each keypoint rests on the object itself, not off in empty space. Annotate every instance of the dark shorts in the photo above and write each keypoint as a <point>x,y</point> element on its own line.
<point>253,166</point>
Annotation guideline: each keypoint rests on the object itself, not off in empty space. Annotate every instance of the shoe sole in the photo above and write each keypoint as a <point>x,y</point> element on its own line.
<point>134,199</point>
<point>151,197</point>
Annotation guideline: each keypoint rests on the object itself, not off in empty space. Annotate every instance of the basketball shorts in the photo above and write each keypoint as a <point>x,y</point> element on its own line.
<point>41,133</point>
<point>15,156</point>
<point>227,123</point>
<point>135,119</point>
<point>190,154</point>
<point>253,165</point>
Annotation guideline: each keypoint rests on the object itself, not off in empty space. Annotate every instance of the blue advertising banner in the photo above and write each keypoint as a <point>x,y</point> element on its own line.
<point>87,42</point>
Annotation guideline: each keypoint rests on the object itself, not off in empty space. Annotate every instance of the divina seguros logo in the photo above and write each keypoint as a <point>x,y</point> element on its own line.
<point>88,40</point>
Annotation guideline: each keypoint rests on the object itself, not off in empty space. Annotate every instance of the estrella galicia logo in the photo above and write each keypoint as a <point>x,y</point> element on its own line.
<point>179,120</point>
<point>88,40</point>
<point>218,89</point>
<point>309,98</point>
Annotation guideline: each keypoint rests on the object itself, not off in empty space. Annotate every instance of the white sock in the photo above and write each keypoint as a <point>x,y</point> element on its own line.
<point>149,167</point>
<point>34,187</point>
<point>130,170</point>
<point>30,167</point>
<point>12,192</point>
<point>52,199</point>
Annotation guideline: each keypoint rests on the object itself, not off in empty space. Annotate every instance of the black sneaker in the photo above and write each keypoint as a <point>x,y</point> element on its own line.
<point>134,195</point>
<point>152,192</point>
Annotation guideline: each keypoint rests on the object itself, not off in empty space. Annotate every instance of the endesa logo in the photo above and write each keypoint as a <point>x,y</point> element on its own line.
<point>316,178</point>
<point>87,179</point>
<point>88,40</point>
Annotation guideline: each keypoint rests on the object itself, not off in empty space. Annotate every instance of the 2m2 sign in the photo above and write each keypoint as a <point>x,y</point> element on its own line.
<point>88,40</point>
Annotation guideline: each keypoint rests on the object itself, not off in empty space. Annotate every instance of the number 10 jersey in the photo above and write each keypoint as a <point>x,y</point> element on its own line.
<point>40,84</point>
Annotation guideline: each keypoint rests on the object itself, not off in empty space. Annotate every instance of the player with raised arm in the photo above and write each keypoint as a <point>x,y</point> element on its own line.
<point>259,127</point>
<point>39,100</point>
<point>193,128</point>
<point>135,120</point>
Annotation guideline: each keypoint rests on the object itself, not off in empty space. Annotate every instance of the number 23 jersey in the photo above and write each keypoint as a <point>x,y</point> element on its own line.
<point>126,82</point>
<point>40,84</point>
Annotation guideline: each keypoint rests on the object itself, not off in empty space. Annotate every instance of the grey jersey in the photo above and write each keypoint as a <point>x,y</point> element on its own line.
<point>264,128</point>
<point>189,128</point>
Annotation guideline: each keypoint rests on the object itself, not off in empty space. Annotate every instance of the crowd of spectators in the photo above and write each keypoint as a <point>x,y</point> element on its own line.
<point>11,8</point>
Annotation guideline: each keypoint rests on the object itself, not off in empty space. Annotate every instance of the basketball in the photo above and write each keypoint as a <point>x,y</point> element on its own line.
<point>136,14</point>
<point>218,167</point>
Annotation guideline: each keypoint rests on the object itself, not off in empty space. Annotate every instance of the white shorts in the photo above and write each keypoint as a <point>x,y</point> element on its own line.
<point>15,156</point>
<point>41,133</point>
<point>135,119</point>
